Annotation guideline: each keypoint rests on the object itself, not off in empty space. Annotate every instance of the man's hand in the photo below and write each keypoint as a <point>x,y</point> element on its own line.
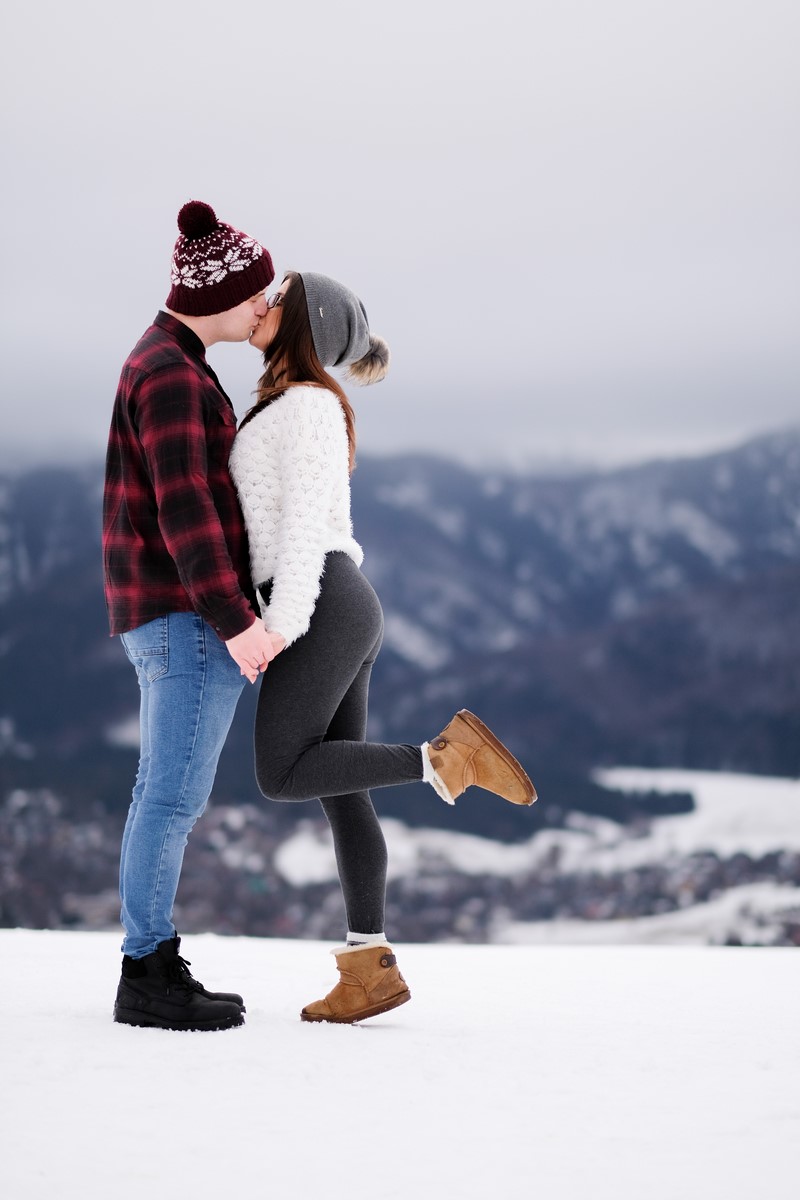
<point>252,650</point>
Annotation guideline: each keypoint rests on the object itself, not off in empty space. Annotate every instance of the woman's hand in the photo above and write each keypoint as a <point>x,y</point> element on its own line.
<point>278,643</point>
<point>252,650</point>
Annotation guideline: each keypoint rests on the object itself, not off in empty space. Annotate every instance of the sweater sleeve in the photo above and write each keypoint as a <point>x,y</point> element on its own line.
<point>313,449</point>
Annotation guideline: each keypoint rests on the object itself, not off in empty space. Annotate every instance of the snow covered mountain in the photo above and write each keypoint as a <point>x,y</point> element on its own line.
<point>645,617</point>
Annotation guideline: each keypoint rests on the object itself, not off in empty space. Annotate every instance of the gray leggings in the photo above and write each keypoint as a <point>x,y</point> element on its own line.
<point>310,728</point>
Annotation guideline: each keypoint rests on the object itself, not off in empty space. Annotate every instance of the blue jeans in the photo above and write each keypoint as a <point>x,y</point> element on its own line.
<point>190,687</point>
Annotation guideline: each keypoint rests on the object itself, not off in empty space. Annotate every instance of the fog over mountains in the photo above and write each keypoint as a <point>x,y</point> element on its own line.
<point>646,616</point>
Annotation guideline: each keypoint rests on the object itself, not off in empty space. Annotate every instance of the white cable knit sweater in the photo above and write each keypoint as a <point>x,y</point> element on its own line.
<point>290,468</point>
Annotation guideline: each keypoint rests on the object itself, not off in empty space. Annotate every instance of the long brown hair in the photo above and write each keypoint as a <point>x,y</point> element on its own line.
<point>293,346</point>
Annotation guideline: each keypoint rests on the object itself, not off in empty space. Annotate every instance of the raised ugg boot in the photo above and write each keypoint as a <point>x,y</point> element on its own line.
<point>467,754</point>
<point>369,983</point>
<point>159,991</point>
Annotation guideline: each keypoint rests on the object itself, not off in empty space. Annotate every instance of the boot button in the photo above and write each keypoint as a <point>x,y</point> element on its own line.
<point>440,744</point>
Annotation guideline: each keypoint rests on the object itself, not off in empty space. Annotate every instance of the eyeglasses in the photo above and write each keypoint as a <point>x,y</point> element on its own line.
<point>275,300</point>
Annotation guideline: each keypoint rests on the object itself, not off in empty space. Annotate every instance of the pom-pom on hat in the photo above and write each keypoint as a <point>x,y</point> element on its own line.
<point>214,266</point>
<point>340,330</point>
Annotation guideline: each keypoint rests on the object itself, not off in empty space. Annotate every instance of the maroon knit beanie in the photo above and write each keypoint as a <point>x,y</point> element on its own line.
<point>214,267</point>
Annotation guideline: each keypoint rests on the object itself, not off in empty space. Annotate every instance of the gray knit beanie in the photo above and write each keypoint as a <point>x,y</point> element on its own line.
<point>340,330</point>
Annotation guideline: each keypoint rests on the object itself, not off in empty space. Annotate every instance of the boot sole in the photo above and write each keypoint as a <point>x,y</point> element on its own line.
<point>129,1016</point>
<point>374,1011</point>
<point>478,726</point>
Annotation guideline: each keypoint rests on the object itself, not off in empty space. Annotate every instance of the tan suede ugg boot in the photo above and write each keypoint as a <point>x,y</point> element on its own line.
<point>466,753</point>
<point>370,983</point>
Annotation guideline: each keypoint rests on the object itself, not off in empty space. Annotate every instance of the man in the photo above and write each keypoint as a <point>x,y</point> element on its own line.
<point>178,592</point>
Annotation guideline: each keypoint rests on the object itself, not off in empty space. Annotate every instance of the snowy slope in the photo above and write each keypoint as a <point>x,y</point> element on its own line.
<point>751,814</point>
<point>733,814</point>
<point>727,871</point>
<point>749,913</point>
<point>551,1072</point>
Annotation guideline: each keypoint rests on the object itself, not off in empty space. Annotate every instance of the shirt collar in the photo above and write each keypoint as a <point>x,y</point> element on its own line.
<point>186,336</point>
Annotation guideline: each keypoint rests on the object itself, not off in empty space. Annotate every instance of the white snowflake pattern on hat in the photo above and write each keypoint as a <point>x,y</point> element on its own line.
<point>200,271</point>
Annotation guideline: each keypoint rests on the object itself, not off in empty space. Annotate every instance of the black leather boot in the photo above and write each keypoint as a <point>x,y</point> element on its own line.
<point>158,990</point>
<point>230,997</point>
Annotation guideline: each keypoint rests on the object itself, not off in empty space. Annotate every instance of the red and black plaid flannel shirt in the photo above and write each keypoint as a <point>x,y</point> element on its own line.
<point>173,533</point>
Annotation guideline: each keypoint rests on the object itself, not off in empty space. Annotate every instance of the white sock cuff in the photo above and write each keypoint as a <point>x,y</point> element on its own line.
<point>365,939</point>
<point>429,775</point>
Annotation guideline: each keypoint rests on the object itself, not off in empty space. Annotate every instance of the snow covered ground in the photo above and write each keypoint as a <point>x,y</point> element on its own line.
<point>558,1072</point>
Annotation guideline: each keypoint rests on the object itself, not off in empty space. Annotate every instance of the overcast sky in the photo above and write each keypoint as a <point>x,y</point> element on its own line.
<point>575,221</point>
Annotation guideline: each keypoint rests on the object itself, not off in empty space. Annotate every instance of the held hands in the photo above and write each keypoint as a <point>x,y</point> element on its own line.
<point>254,649</point>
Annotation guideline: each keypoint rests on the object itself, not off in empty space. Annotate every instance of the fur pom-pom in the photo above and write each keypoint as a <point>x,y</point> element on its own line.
<point>373,366</point>
<point>196,220</point>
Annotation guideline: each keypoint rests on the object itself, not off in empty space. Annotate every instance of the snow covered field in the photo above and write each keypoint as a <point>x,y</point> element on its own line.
<point>749,814</point>
<point>754,814</point>
<point>558,1072</point>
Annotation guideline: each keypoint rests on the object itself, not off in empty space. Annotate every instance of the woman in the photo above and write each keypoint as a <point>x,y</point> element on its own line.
<point>291,463</point>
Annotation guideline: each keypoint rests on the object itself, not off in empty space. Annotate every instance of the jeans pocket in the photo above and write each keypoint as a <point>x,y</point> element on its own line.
<point>147,647</point>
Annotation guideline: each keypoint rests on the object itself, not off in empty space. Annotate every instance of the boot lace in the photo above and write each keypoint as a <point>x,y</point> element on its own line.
<point>181,973</point>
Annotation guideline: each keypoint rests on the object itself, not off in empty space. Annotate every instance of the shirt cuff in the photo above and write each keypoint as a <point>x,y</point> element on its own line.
<point>233,621</point>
